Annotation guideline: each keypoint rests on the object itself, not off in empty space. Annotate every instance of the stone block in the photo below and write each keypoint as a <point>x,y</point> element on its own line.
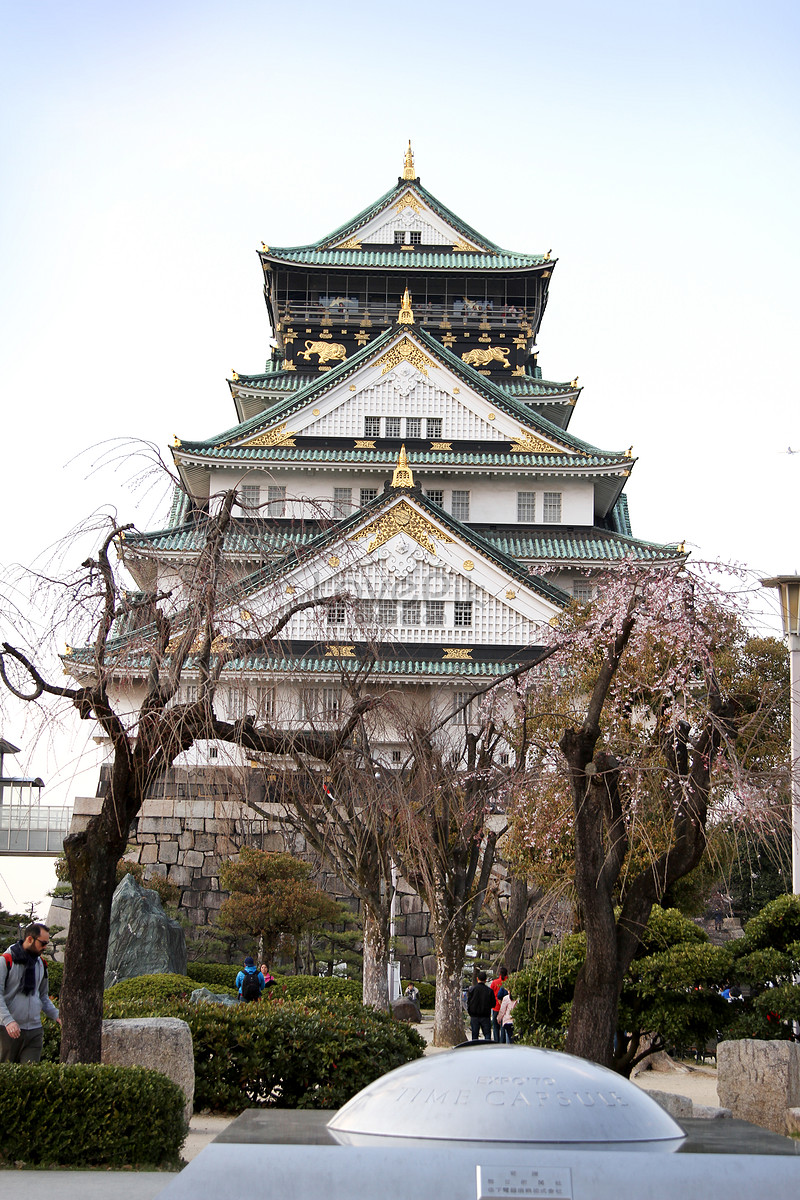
<point>676,1106</point>
<point>410,904</point>
<point>417,924</point>
<point>210,865</point>
<point>157,869</point>
<point>759,1081</point>
<point>407,1010</point>
<point>193,858</point>
<point>162,1043</point>
<point>204,842</point>
<point>149,853</point>
<point>214,899</point>
<point>158,808</point>
<point>87,806</point>
<point>168,852</point>
<point>179,875</point>
<point>404,945</point>
<point>429,965</point>
<point>194,824</point>
<point>186,841</point>
<point>423,946</point>
<point>273,841</point>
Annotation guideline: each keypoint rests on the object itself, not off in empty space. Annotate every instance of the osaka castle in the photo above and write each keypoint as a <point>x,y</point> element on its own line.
<point>403,459</point>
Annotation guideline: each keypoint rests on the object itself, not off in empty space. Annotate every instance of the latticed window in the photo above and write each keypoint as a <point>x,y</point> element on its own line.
<point>309,699</point>
<point>237,703</point>
<point>437,496</point>
<point>582,590</point>
<point>460,506</point>
<point>413,427</point>
<point>397,758</point>
<point>461,707</point>
<point>190,693</point>
<point>551,506</point>
<point>249,496</point>
<point>337,613</point>
<point>265,703</point>
<point>399,237</point>
<point>415,237</point>
<point>526,506</point>
<point>393,427</point>
<point>434,612</point>
<point>276,497</point>
<point>412,612</point>
<point>433,427</point>
<point>372,427</point>
<point>331,703</point>
<point>462,614</point>
<point>367,495</point>
<point>342,501</point>
<point>386,613</point>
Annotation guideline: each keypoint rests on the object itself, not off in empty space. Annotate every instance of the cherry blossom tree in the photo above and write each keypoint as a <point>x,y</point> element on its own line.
<point>637,729</point>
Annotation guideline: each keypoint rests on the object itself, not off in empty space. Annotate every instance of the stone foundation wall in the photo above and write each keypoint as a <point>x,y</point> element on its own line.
<point>196,818</point>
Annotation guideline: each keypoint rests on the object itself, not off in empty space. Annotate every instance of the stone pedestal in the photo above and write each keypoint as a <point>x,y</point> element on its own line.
<point>760,1081</point>
<point>162,1043</point>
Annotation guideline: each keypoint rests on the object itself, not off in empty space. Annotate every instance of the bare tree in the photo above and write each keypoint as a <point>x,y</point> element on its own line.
<point>135,651</point>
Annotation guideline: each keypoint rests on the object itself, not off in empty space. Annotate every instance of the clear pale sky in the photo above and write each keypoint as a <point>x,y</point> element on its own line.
<point>148,149</point>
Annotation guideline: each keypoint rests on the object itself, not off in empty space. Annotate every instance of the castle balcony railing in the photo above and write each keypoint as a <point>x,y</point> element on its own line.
<point>470,314</point>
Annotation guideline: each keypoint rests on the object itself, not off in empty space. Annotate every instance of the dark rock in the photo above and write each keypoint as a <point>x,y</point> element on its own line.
<point>404,1009</point>
<point>143,940</point>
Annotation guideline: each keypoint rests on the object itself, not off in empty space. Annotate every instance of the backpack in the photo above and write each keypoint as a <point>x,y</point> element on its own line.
<point>251,988</point>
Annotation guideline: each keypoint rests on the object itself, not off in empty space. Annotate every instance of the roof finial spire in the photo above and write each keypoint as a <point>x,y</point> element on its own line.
<point>408,163</point>
<point>406,316</point>
<point>402,477</point>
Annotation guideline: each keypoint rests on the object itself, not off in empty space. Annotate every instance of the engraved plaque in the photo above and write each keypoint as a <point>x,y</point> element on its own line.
<point>555,1182</point>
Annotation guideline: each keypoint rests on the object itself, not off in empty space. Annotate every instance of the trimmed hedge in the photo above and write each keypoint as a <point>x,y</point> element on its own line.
<point>157,987</point>
<point>89,1115</point>
<point>290,987</point>
<point>55,973</point>
<point>286,1054</point>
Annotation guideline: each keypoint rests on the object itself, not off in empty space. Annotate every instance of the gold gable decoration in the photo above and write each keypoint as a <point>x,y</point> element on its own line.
<point>457,653</point>
<point>279,436</point>
<point>405,351</point>
<point>408,201</point>
<point>528,443</point>
<point>463,246</point>
<point>401,519</point>
<point>402,473</point>
<point>351,244</point>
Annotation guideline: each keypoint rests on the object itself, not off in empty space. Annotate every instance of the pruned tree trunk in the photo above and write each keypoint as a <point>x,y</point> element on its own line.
<point>448,1020</point>
<point>376,960</point>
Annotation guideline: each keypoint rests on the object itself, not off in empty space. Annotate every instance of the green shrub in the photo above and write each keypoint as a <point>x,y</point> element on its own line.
<point>211,975</point>
<point>158,987</point>
<point>288,1054</point>
<point>55,974</point>
<point>89,1115</point>
<point>289,987</point>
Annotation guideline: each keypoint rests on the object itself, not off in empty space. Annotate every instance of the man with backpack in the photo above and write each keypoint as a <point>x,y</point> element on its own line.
<point>23,997</point>
<point>249,982</point>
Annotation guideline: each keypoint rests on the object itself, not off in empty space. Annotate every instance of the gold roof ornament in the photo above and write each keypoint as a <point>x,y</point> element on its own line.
<point>406,316</point>
<point>402,473</point>
<point>234,376</point>
<point>408,163</point>
<point>265,247</point>
<point>177,441</point>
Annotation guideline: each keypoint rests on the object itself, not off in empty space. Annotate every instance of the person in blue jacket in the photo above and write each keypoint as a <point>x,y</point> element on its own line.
<point>249,982</point>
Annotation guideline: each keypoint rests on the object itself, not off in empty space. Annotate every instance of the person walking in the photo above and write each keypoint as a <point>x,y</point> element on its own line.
<point>24,996</point>
<point>249,982</point>
<point>498,986</point>
<point>505,1018</point>
<point>480,999</point>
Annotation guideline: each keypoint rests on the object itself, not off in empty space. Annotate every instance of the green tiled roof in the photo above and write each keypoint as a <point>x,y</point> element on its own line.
<point>528,386</point>
<point>383,666</point>
<point>480,383</point>
<point>416,458</point>
<point>412,260</point>
<point>255,540</point>
<point>325,253</point>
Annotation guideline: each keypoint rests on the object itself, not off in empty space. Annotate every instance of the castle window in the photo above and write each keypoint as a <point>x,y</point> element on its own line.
<point>367,495</point>
<point>372,427</point>
<point>309,700</point>
<point>461,707</point>
<point>437,496</point>
<point>462,614</point>
<point>190,693</point>
<point>399,237</point>
<point>433,427</point>
<point>583,591</point>
<point>434,612</point>
<point>413,427</point>
<point>551,506</point>
<point>386,613</point>
<point>265,703</point>
<point>331,703</point>
<point>336,613</point>
<point>415,237</point>
<point>342,501</point>
<point>526,506</point>
<point>237,703</point>
<point>277,501</point>
<point>460,506</point>
<point>397,758</point>
<point>249,496</point>
<point>412,612</point>
<point>393,427</point>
